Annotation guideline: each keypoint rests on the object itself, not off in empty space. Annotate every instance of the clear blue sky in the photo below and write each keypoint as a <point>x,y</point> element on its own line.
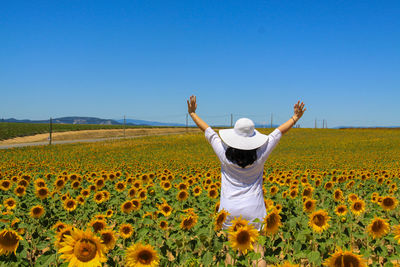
<point>250,58</point>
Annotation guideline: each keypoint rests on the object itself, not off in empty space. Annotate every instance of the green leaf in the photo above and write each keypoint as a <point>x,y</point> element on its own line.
<point>313,256</point>
<point>207,258</point>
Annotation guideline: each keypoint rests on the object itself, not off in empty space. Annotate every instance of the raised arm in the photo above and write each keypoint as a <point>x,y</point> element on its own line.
<point>192,105</point>
<point>298,112</point>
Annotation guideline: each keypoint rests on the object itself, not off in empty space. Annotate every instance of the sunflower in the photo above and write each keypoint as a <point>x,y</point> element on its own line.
<point>82,248</point>
<point>293,193</point>
<point>319,221</point>
<point>61,236</point>
<point>10,203</point>
<point>70,204</point>
<point>341,210</point>
<point>165,209</point>
<point>5,185</point>
<point>182,195</point>
<point>343,259</point>
<point>97,225</point>
<point>338,195</point>
<point>99,197</point>
<point>127,207</point>
<point>100,183</point>
<point>132,192</point>
<point>216,207</point>
<point>388,203</point>
<point>378,227</point>
<point>40,182</point>
<point>37,211</point>
<point>59,183</point>
<point>188,222</point>
<point>237,222</point>
<point>197,191</point>
<point>136,204</point>
<point>220,219</point>
<point>328,186</point>
<point>213,193</point>
<point>9,241</point>
<point>268,203</point>
<point>396,231</point>
<point>242,239</point>
<point>352,197</point>
<point>142,194</point>
<point>163,225</point>
<point>307,192</point>
<point>166,185</point>
<point>106,195</point>
<point>273,190</point>
<point>42,192</point>
<point>125,230</point>
<point>358,207</point>
<point>109,213</point>
<point>309,205</point>
<point>58,226</point>
<point>20,191</point>
<point>272,222</point>
<point>139,255</point>
<point>108,238</point>
<point>120,186</point>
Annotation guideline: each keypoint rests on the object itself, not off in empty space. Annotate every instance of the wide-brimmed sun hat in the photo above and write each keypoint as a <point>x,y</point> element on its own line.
<point>243,136</point>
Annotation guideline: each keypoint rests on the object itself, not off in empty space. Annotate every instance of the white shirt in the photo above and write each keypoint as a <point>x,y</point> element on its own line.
<point>241,188</point>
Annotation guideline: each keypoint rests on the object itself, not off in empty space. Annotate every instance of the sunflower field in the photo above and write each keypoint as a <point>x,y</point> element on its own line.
<point>331,198</point>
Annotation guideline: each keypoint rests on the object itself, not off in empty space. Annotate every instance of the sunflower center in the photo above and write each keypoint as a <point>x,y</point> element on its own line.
<point>243,238</point>
<point>70,204</point>
<point>388,202</point>
<point>85,250</point>
<point>37,210</point>
<point>271,220</point>
<point>221,218</point>
<point>126,230</point>
<point>42,192</point>
<point>128,205</point>
<point>8,239</point>
<point>98,226</point>
<point>357,206</point>
<point>341,210</point>
<point>347,260</point>
<point>106,238</point>
<point>188,222</point>
<point>319,220</point>
<point>377,226</point>
<point>308,204</point>
<point>166,209</point>
<point>145,257</point>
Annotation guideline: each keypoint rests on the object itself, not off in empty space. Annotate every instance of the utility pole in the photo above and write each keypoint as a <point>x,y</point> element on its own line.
<point>231,120</point>
<point>271,119</point>
<point>124,125</point>
<point>323,124</point>
<point>50,130</point>
<point>187,122</point>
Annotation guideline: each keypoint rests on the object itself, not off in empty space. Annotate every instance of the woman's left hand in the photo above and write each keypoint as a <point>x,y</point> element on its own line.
<point>192,105</point>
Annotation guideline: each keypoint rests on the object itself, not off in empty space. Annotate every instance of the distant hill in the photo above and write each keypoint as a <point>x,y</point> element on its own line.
<point>98,121</point>
<point>70,120</point>
<point>149,123</point>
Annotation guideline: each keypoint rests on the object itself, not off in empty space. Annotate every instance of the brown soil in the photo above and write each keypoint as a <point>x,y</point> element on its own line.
<point>96,134</point>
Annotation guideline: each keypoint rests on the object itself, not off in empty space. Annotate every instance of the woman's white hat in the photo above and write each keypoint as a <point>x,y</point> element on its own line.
<point>243,135</point>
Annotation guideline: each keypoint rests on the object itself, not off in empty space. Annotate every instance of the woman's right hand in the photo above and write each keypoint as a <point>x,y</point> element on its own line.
<point>192,105</point>
<point>299,110</point>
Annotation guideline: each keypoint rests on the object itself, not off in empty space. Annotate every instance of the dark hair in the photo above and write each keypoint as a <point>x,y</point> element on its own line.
<point>241,157</point>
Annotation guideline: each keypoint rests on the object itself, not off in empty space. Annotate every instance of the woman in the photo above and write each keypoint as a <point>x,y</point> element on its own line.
<point>242,152</point>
